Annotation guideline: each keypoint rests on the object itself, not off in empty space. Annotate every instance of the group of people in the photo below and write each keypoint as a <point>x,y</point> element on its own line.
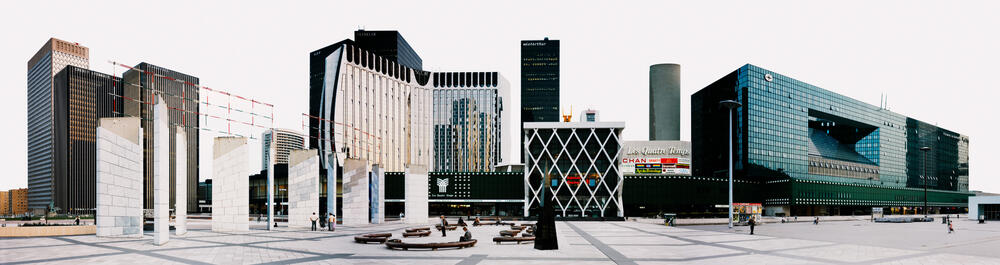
<point>331,222</point>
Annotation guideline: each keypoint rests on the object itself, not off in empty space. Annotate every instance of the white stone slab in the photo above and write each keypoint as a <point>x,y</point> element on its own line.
<point>376,196</point>
<point>303,187</point>
<point>119,178</point>
<point>230,185</point>
<point>415,194</point>
<point>355,200</point>
<point>180,190</point>
<point>161,173</point>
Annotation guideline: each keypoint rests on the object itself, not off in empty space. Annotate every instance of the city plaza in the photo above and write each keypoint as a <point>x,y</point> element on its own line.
<point>619,242</point>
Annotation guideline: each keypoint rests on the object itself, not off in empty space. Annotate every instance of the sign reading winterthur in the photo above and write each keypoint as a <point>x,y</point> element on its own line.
<point>656,158</point>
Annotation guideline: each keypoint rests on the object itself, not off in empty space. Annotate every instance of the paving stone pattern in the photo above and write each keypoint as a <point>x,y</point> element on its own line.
<point>579,243</point>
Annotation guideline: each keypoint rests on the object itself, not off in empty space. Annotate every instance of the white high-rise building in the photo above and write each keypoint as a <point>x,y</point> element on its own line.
<point>285,141</point>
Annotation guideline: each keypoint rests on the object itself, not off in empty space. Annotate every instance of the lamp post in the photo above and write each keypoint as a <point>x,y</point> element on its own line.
<point>730,106</point>
<point>923,167</point>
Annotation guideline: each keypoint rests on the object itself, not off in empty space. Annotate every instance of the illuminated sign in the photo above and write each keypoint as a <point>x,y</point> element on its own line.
<point>664,158</point>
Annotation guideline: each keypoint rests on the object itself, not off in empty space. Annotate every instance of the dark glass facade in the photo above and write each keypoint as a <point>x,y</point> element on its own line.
<point>81,97</point>
<point>389,44</point>
<point>462,193</point>
<point>140,84</point>
<point>258,191</point>
<point>539,83</point>
<point>814,151</point>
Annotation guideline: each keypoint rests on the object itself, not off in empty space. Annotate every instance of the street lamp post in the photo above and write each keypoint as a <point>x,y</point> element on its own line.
<point>730,106</point>
<point>923,165</point>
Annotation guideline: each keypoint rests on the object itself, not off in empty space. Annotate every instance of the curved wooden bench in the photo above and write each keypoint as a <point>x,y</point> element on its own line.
<point>421,233</point>
<point>516,227</point>
<point>501,239</point>
<point>509,232</point>
<point>450,227</point>
<point>418,229</point>
<point>398,244</point>
<point>373,238</point>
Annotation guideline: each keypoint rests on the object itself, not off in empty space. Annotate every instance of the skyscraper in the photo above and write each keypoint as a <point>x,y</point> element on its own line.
<point>285,141</point>
<point>539,83</point>
<point>665,102</point>
<point>469,123</point>
<point>390,45</point>
<point>54,55</point>
<point>142,82</point>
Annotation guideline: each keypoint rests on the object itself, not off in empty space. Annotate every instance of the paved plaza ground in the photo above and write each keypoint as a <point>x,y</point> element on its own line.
<point>580,243</point>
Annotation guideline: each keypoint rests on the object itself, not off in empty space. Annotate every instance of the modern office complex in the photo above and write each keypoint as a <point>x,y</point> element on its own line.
<point>14,202</point>
<point>284,142</point>
<point>140,83</point>
<point>366,107</point>
<point>82,97</point>
<point>389,44</point>
<point>539,82</point>
<point>665,102</point>
<point>575,166</point>
<point>469,120</point>
<point>54,55</point>
<point>811,151</point>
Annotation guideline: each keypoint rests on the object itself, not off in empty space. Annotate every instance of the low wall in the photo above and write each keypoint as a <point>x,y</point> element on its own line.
<point>33,231</point>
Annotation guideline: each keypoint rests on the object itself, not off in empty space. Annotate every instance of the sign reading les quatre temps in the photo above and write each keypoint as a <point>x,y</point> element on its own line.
<point>659,158</point>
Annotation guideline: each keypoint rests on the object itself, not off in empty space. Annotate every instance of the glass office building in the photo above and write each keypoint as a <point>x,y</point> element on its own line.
<point>140,84</point>
<point>468,120</point>
<point>390,45</point>
<point>44,160</point>
<point>539,82</point>
<point>812,151</point>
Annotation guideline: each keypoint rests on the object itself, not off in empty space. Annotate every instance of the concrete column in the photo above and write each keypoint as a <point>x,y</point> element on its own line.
<point>415,194</point>
<point>303,187</point>
<point>119,177</point>
<point>230,185</point>
<point>355,208</point>
<point>180,190</point>
<point>161,173</point>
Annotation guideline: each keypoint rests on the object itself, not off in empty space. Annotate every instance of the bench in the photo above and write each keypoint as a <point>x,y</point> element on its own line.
<point>418,229</point>
<point>417,233</point>
<point>509,232</point>
<point>518,240</point>
<point>450,227</point>
<point>399,244</point>
<point>373,238</point>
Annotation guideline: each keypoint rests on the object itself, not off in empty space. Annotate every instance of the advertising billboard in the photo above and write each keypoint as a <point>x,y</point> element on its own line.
<point>659,158</point>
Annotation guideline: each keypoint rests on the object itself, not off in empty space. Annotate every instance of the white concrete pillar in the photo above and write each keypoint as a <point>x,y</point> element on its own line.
<point>180,188</point>
<point>415,194</point>
<point>230,185</point>
<point>161,173</point>
<point>119,177</point>
<point>303,187</point>
<point>355,208</point>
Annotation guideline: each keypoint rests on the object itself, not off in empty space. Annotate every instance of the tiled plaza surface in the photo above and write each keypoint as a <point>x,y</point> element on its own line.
<point>579,243</point>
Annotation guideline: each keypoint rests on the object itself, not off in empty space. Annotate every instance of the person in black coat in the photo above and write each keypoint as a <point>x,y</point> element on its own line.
<point>444,226</point>
<point>752,222</point>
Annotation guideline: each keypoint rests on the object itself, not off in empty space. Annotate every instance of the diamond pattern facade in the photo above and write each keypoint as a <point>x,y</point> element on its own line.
<point>580,159</point>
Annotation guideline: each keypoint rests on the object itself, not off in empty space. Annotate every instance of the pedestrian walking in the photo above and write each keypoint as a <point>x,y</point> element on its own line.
<point>951,228</point>
<point>753,223</point>
<point>77,220</point>
<point>313,218</point>
<point>331,222</point>
<point>816,221</point>
<point>444,226</point>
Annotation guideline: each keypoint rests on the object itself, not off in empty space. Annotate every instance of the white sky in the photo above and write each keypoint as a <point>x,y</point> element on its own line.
<point>937,61</point>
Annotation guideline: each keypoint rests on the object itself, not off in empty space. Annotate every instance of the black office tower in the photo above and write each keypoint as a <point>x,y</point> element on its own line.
<point>539,83</point>
<point>81,97</point>
<point>389,44</point>
<point>141,83</point>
